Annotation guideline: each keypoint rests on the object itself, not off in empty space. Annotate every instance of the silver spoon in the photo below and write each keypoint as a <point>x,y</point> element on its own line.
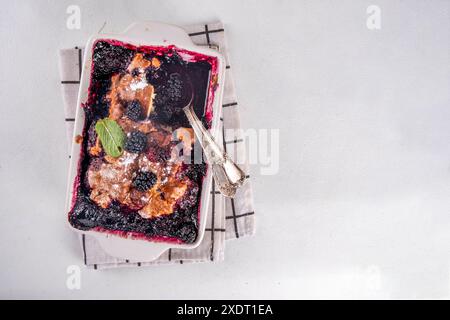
<point>227,175</point>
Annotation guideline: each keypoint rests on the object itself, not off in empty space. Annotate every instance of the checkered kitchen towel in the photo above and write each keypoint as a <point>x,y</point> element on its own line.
<point>227,218</point>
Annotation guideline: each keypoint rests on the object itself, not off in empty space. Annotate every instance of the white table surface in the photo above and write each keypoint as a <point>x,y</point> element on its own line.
<point>360,207</point>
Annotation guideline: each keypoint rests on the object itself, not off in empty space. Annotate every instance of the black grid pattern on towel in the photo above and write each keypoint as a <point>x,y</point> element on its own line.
<point>207,37</point>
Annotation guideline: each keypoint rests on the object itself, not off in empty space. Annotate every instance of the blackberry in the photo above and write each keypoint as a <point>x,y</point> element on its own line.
<point>169,100</point>
<point>171,92</point>
<point>144,180</point>
<point>136,142</point>
<point>85,214</point>
<point>134,111</point>
<point>174,88</point>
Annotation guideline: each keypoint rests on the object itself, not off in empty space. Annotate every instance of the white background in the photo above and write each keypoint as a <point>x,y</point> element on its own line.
<point>360,207</point>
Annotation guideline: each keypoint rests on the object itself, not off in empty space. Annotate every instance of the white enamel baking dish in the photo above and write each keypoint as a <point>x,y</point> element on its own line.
<point>153,34</point>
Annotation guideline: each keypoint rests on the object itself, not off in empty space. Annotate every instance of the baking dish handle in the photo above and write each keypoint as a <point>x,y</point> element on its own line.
<point>158,33</point>
<point>136,250</point>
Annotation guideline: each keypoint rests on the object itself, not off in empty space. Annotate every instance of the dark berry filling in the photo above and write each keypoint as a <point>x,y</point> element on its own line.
<point>155,76</point>
<point>171,93</point>
<point>135,72</point>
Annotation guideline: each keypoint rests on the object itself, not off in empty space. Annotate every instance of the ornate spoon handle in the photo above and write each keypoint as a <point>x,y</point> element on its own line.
<point>227,175</point>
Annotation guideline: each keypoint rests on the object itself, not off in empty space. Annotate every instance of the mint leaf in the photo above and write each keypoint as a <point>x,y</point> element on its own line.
<point>111,136</point>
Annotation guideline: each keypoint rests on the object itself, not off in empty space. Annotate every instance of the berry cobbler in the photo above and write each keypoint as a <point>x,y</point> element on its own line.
<point>131,179</point>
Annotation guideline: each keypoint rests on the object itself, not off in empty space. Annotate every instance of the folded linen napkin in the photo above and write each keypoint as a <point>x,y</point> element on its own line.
<point>227,218</point>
